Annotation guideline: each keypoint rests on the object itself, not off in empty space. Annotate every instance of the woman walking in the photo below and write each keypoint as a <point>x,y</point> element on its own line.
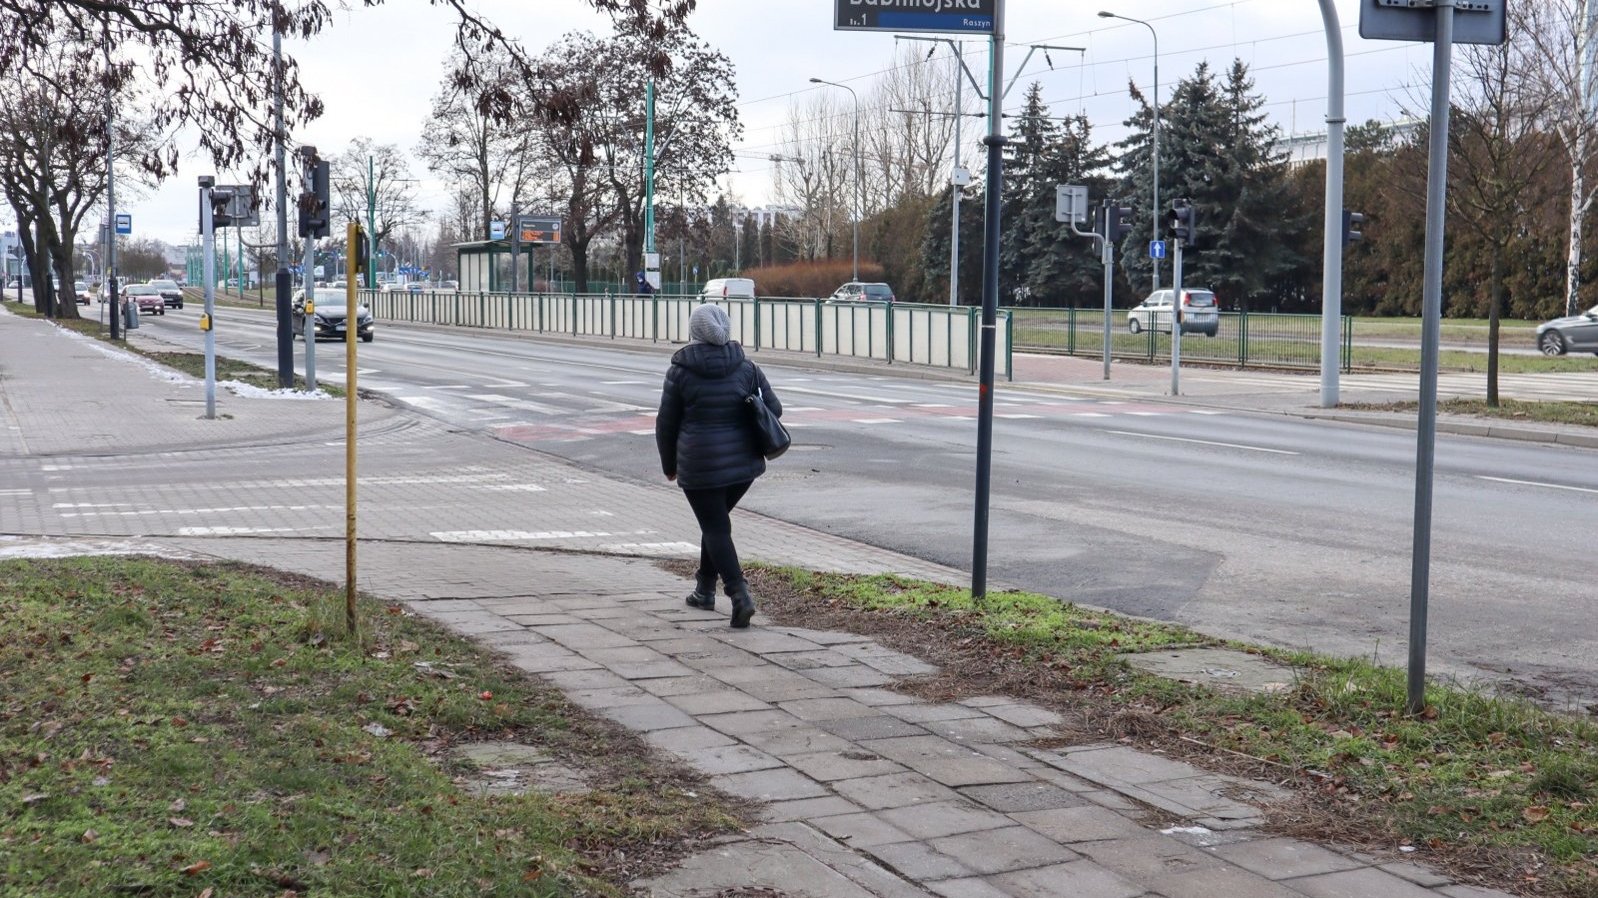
<point>707,445</point>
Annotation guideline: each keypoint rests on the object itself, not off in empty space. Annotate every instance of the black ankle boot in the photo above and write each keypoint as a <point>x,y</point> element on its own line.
<point>704,595</point>
<point>743,606</point>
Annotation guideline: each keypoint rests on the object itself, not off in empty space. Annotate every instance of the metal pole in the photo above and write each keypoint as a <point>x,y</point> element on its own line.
<point>109,269</point>
<point>1110,207</point>
<point>284,286</point>
<point>859,206</point>
<point>371,224</point>
<point>352,233</point>
<point>208,235</point>
<point>954,189</point>
<point>990,303</point>
<point>649,171</point>
<point>309,317</point>
<point>1154,212</point>
<point>1332,241</point>
<point>515,247</point>
<point>1431,337</point>
<point>1176,318</point>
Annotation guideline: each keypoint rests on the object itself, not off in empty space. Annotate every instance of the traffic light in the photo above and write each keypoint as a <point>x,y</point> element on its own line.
<point>1179,222</point>
<point>221,202</point>
<point>1351,221</point>
<point>1117,221</point>
<point>314,203</point>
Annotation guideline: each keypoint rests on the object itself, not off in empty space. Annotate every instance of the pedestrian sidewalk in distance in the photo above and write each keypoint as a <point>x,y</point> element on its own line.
<point>64,392</point>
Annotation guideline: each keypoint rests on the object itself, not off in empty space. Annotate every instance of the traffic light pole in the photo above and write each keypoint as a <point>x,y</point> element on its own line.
<point>208,236</point>
<point>1109,219</point>
<point>995,142</point>
<point>1176,317</point>
<point>283,284</point>
<point>308,280</point>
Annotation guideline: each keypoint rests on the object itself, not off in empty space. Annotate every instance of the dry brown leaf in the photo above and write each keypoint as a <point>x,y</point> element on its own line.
<point>196,868</point>
<point>1535,814</point>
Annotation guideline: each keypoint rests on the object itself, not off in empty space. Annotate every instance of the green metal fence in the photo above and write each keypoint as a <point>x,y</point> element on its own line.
<point>1263,339</point>
<point>937,336</point>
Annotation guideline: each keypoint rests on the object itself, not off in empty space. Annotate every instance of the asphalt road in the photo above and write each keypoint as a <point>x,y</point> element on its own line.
<point>1266,527</point>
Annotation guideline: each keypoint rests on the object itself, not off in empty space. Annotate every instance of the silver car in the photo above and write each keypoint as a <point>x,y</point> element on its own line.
<point>1200,313</point>
<point>1577,333</point>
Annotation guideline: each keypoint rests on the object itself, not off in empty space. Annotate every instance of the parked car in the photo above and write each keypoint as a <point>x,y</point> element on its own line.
<point>330,316</point>
<point>171,293</point>
<point>148,298</point>
<point>861,291</point>
<point>80,289</point>
<point>1577,333</point>
<point>728,288</point>
<point>1200,314</point>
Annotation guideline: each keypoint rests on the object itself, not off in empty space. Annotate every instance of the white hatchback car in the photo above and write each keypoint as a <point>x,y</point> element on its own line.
<point>1200,313</point>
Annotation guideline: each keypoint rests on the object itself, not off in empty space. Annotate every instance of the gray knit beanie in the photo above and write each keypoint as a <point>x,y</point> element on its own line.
<point>709,324</point>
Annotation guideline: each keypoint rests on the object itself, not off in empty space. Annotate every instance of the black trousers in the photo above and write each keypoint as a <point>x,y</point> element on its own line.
<point>717,555</point>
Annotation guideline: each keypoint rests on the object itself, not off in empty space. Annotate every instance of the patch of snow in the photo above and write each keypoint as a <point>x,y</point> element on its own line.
<point>159,372</point>
<point>1189,830</point>
<point>249,391</point>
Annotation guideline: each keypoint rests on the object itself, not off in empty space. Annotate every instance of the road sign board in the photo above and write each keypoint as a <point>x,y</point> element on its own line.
<point>956,16</point>
<point>240,210</point>
<point>1070,203</point>
<point>124,223</point>
<point>539,229</point>
<point>1475,21</point>
<point>1156,249</point>
<point>496,230</point>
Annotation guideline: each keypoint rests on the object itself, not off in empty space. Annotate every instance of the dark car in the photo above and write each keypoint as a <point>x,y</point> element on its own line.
<point>171,293</point>
<point>1577,333</point>
<point>147,297</point>
<point>330,317</point>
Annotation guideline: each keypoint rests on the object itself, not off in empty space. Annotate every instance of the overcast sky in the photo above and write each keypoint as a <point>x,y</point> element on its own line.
<point>378,69</point>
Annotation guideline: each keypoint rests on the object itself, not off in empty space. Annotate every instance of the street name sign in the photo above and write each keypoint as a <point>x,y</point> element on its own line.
<point>1475,21</point>
<point>943,16</point>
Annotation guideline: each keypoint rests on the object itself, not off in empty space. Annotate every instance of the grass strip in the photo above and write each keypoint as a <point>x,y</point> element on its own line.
<point>171,728</point>
<point>1542,411</point>
<point>1480,783</point>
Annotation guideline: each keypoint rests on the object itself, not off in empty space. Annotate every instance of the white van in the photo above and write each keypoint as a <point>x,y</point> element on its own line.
<point>728,288</point>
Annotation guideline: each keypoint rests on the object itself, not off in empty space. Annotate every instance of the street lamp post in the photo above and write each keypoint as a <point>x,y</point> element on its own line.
<point>858,208</point>
<point>1154,213</point>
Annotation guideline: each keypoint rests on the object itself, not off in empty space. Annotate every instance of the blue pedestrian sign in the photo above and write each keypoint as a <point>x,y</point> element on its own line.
<point>124,223</point>
<point>1156,249</point>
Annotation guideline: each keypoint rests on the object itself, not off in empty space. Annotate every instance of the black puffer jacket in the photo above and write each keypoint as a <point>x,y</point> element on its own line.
<point>703,429</point>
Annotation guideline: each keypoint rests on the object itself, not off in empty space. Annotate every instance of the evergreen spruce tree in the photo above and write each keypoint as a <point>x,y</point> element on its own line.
<point>1028,202</point>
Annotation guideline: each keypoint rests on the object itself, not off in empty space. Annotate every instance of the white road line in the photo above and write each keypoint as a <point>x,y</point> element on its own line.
<point>451,387</point>
<point>1552,486</point>
<point>1151,436</point>
<point>16,492</point>
<point>876,400</point>
<point>1016,416</point>
<point>1089,415</point>
<point>1145,414</point>
<point>1200,411</point>
<point>466,536</point>
<point>876,420</point>
<point>621,383</point>
<point>234,531</point>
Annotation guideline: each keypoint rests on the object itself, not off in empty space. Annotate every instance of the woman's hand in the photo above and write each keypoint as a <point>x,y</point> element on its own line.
<point>671,477</point>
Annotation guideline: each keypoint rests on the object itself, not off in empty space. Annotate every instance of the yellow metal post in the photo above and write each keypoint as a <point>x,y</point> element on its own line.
<point>352,326</point>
